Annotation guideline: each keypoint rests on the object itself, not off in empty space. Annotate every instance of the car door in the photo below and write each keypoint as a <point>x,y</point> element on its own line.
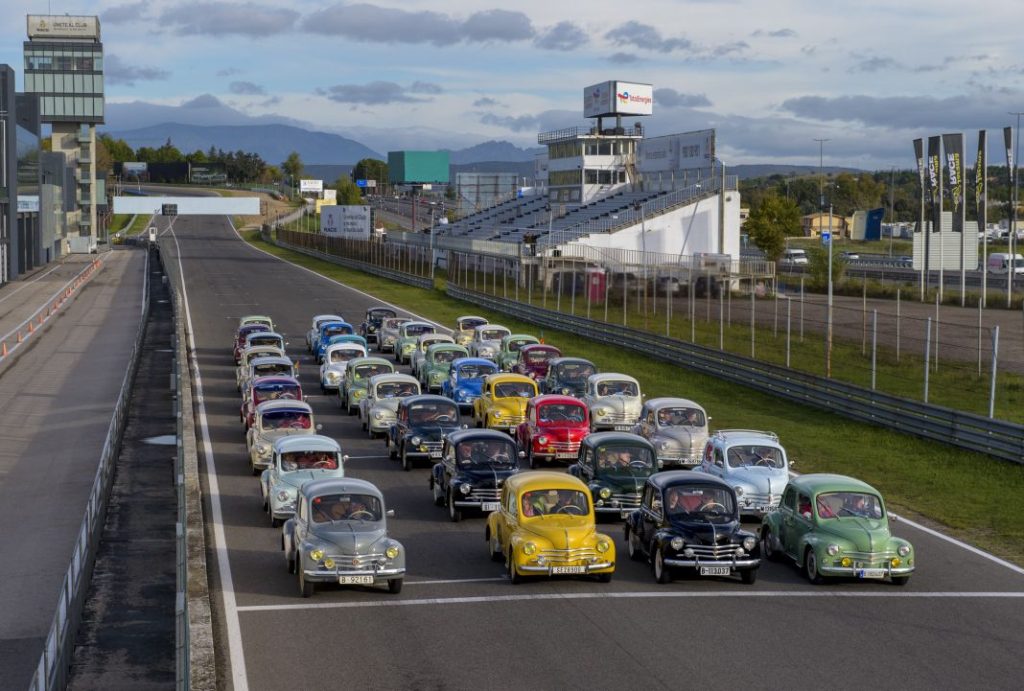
<point>650,517</point>
<point>717,465</point>
<point>794,525</point>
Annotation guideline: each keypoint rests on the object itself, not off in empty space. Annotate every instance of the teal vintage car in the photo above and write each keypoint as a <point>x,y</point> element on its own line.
<point>508,355</point>
<point>836,526</point>
<point>408,332</point>
<point>358,378</point>
<point>437,362</point>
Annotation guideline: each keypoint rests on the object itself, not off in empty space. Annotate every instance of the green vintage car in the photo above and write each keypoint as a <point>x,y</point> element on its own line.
<point>407,335</point>
<point>357,378</point>
<point>437,362</point>
<point>509,353</point>
<point>833,525</point>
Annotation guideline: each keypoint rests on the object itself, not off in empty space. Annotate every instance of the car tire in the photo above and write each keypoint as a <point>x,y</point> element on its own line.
<point>633,546</point>
<point>513,576</point>
<point>605,577</point>
<point>661,572</point>
<point>406,461</point>
<point>436,490</point>
<point>454,513</point>
<point>768,550</point>
<point>275,522</point>
<point>749,576</point>
<point>392,449</point>
<point>900,580</point>
<point>394,586</point>
<point>370,433</point>
<point>364,425</point>
<point>291,562</point>
<point>305,587</point>
<point>811,567</point>
<point>529,457</point>
<point>493,547</point>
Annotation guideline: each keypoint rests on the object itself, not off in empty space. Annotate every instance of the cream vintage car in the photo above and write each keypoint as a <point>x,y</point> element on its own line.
<point>335,364</point>
<point>464,327</point>
<point>297,460</point>
<point>614,401</point>
<point>387,336</point>
<point>677,427</point>
<point>383,394</point>
<point>250,354</point>
<point>486,342</point>
<point>273,420</point>
<point>264,367</point>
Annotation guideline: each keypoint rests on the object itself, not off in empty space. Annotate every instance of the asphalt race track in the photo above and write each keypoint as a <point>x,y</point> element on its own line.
<point>459,624</point>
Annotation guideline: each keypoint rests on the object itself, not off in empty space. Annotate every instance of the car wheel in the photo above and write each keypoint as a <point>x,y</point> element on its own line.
<point>350,409</point>
<point>811,567</point>
<point>395,586</point>
<point>392,449</point>
<point>529,457</point>
<point>749,576</point>
<point>493,547</point>
<point>604,577</point>
<point>454,513</point>
<point>305,587</point>
<point>900,580</point>
<point>406,461</point>
<point>275,522</point>
<point>364,424</point>
<point>291,561</point>
<point>768,550</point>
<point>437,492</point>
<point>370,433</point>
<point>633,546</point>
<point>661,572</point>
<point>513,575</point>
<point>253,468</point>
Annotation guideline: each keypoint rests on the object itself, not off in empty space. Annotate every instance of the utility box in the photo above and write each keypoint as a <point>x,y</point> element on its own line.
<point>597,282</point>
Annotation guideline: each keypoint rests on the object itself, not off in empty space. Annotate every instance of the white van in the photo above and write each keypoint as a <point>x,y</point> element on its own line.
<point>999,263</point>
<point>793,257</point>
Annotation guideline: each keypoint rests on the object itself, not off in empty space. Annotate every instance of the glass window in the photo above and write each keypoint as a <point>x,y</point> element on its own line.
<point>97,104</point>
<point>97,63</point>
<point>58,106</point>
<point>48,83</point>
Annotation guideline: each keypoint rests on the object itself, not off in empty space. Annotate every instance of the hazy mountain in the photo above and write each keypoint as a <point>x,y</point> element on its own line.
<point>763,170</point>
<point>203,110</point>
<point>494,151</point>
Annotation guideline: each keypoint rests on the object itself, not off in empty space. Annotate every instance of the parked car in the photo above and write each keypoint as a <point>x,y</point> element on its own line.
<point>297,460</point>
<point>753,463</point>
<point>387,336</point>
<point>437,362</point>
<point>265,367</point>
<point>335,364</point>
<point>502,404</point>
<point>508,354</point>
<point>314,332</point>
<point>357,378</point>
<point>568,376</point>
<point>553,429</point>
<point>691,521</point>
<point>833,526</point>
<point>474,464</point>
<point>793,257</point>
<point>465,380</point>
<point>272,388</point>
<point>339,535</point>
<point>615,465</point>
<point>421,424</point>
<point>420,351</point>
<point>243,333</point>
<point>464,328</point>
<point>375,317</point>
<point>273,420</point>
<point>486,342</point>
<point>324,343</point>
<point>533,360</point>
<point>250,354</point>
<point>614,401</point>
<point>545,527</point>
<point>1001,263</point>
<point>677,427</point>
<point>327,331</point>
<point>383,394</point>
<point>408,333</point>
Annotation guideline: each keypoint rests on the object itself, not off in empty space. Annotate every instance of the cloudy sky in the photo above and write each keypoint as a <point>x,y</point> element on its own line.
<point>769,75</point>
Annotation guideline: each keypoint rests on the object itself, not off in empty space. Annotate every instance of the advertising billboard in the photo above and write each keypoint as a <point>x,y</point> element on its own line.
<point>346,221</point>
<point>684,151</point>
<point>128,168</point>
<point>63,26</point>
<point>311,186</point>
<point>330,196</point>
<point>418,167</point>
<point>618,98</point>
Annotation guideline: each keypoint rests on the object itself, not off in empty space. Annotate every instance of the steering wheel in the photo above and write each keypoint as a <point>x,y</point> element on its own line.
<point>762,461</point>
<point>443,418</point>
<point>322,464</point>
<point>570,508</point>
<point>286,396</point>
<point>499,458</point>
<point>710,505</point>
<point>362,512</point>
<point>296,425</point>
<point>637,464</point>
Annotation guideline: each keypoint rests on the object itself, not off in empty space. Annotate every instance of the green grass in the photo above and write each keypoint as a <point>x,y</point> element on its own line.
<point>970,495</point>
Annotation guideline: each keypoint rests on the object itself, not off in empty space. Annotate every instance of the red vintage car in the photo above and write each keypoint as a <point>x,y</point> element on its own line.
<point>274,387</point>
<point>242,333</point>
<point>534,358</point>
<point>554,427</point>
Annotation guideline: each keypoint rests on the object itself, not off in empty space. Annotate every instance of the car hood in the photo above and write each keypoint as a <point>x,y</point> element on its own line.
<point>618,403</point>
<point>351,537</point>
<point>511,405</point>
<point>387,404</point>
<point>484,477</point>
<point>470,385</point>
<point>297,478</point>
<point>563,532</point>
<point>574,388</point>
<point>563,431</point>
<point>434,430</point>
<point>763,480</point>
<point>703,532</point>
<point>271,435</point>
<point>622,484</point>
<point>867,534</point>
<point>682,435</point>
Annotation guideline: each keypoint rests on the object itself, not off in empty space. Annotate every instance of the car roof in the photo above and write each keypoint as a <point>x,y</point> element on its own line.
<point>612,437</point>
<point>543,479</point>
<point>425,398</point>
<point>539,346</point>
<point>263,334</point>
<point>381,309</point>
<point>306,442</point>
<point>329,317</point>
<point>444,338</point>
<point>369,360</point>
<point>829,482</point>
<point>611,376</point>
<point>671,478</point>
<point>746,436</point>
<point>339,485</point>
<point>666,401</point>
<point>484,327</point>
<point>278,404</point>
<point>502,377</point>
<point>571,360</point>
<point>278,378</point>
<point>345,345</point>
<point>469,316</point>
<point>515,336</point>
<point>556,398</point>
<point>419,322</point>
<point>250,317</point>
<point>393,377</point>
<point>473,434</point>
<point>447,345</point>
<point>459,361</point>
<point>271,360</point>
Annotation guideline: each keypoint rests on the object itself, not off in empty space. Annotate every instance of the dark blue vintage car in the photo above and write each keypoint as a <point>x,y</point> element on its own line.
<point>465,381</point>
<point>375,316</point>
<point>474,464</point>
<point>615,466</point>
<point>420,427</point>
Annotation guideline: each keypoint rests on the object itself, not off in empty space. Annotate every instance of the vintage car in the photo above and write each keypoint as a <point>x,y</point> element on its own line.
<point>264,338</point>
<point>387,336</point>
<point>614,401</point>
<point>533,360</point>
<point>420,351</point>
<point>339,535</point>
<point>264,367</point>
<point>437,362</point>
<point>567,376</point>
<point>314,332</point>
<point>243,333</point>
<point>486,341</point>
<point>688,521</point>
<point>545,527</point>
<point>375,316</point>
<point>271,421</point>
<point>330,333</point>
<point>753,463</point>
<point>553,428</point>
<point>383,394</point>
<point>464,327</point>
<point>465,380</point>
<point>297,460</point>
<point>335,364</point>
<point>474,464</point>
<point>835,526</point>
<point>250,354</point>
<point>502,403</point>
<point>421,424</point>
<point>408,334</point>
<point>677,427</point>
<point>615,466</point>
<point>508,354</point>
<point>256,319</point>
<point>357,378</point>
<point>272,388</point>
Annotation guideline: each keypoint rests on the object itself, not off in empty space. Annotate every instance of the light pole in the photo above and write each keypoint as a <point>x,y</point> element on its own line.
<point>433,205</point>
<point>821,207</point>
<point>1013,216</point>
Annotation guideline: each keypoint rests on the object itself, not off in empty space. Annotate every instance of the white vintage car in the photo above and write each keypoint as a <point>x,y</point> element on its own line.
<point>335,364</point>
<point>677,427</point>
<point>422,343</point>
<point>377,410</point>
<point>273,420</point>
<point>313,335</point>
<point>753,463</point>
<point>250,354</point>
<point>486,342</point>
<point>264,367</point>
<point>297,460</point>
<point>614,401</point>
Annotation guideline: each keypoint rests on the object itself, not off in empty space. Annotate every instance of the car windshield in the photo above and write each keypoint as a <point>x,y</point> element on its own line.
<point>271,391</point>
<point>426,413</point>
<point>253,354</point>
<point>345,354</point>
<point>265,368</point>
<point>309,460</point>
<point>394,323</point>
<point>470,324</point>
<point>574,371</point>
<point>336,331</point>
<point>417,329</point>
<point>536,357</point>
<point>515,344</point>
<point>379,315</point>
<point>547,502</point>
<point>251,329</point>
<point>328,508</point>
<point>613,387</point>
<point>394,389</point>
<point>476,371</point>
<point>624,459</point>
<point>511,389</point>
<point>445,355</point>
<point>367,371</point>
<point>841,505</point>
<point>485,452</point>
<point>680,417</point>
<point>261,340</point>
<point>259,322</point>
<point>561,412</point>
<point>704,502</point>
<point>755,455</point>
<point>286,419</point>
<point>492,334</point>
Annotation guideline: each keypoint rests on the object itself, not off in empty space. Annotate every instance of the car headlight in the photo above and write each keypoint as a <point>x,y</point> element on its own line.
<point>833,550</point>
<point>378,414</point>
<point>329,563</point>
<point>688,552</point>
<point>676,543</point>
<point>497,413</point>
<point>262,449</point>
<point>739,491</point>
<point>391,552</point>
<point>749,543</point>
<point>603,546</point>
<point>601,412</point>
<point>566,390</point>
<point>415,441</point>
<point>465,488</point>
<point>605,492</point>
<point>542,439</point>
<point>903,550</point>
<point>283,496</point>
<point>316,554</point>
<point>529,548</point>
<point>333,377</point>
<point>663,446</point>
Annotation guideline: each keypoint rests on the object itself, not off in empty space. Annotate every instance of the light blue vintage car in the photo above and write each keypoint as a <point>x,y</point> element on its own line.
<point>297,460</point>
<point>753,463</point>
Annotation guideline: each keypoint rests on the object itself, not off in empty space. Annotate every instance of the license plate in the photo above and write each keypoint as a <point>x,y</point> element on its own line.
<point>625,513</point>
<point>490,506</point>
<point>355,580</point>
<point>565,454</point>
<point>560,570</point>
<point>870,573</point>
<point>715,571</point>
<point>623,428</point>
<point>435,454</point>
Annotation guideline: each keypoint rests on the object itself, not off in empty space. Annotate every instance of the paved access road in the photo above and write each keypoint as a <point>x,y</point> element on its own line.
<point>459,624</point>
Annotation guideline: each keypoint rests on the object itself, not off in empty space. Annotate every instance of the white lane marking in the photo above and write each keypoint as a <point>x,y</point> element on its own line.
<point>234,629</point>
<point>450,581</point>
<point>492,599</point>
<point>28,283</point>
<point>353,458</point>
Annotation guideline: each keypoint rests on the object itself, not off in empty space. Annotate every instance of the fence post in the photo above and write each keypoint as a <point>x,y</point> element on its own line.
<point>721,318</point>
<point>607,292</point>
<point>801,309</point>
<point>753,310</point>
<point>874,348</point>
<point>979,337</point>
<point>668,302</point>
<point>775,316</point>
<point>789,315</point>
<point>995,362</point>
<point>625,295</point>
<point>572,300</point>
<point>898,325</point>
<point>938,305</point>
<point>927,357</point>
<point>864,318</point>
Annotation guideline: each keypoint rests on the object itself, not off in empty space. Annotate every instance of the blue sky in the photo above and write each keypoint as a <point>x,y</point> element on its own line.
<point>769,75</point>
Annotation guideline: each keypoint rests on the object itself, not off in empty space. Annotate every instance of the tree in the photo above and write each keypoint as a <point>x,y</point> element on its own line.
<point>293,167</point>
<point>270,174</point>
<point>371,169</point>
<point>349,193</point>
<point>118,149</point>
<point>817,267</point>
<point>771,222</point>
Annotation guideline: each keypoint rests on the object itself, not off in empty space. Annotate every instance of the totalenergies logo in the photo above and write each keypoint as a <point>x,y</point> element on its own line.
<point>625,97</point>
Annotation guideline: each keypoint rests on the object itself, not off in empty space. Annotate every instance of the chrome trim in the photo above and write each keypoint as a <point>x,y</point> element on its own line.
<point>695,563</point>
<point>852,570</point>
<point>590,568</point>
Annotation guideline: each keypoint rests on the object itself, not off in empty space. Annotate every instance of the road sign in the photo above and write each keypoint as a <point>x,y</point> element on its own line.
<point>826,237</point>
<point>366,183</point>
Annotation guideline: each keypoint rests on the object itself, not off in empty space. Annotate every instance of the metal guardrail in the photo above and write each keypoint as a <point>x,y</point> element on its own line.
<point>997,438</point>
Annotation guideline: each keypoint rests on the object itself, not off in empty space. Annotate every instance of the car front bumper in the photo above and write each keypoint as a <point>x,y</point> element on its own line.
<point>734,564</point>
<point>577,569</point>
<point>855,572</point>
<point>380,576</point>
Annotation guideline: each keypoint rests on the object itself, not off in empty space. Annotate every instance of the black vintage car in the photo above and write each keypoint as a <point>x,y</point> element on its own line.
<point>421,426</point>
<point>375,316</point>
<point>568,376</point>
<point>690,523</point>
<point>474,464</point>
<point>615,466</point>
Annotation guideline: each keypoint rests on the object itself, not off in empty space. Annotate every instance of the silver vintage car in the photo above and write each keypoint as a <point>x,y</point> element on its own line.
<point>377,410</point>
<point>614,401</point>
<point>339,535</point>
<point>677,427</point>
<point>422,343</point>
<point>297,460</point>
<point>486,342</point>
<point>335,364</point>
<point>753,463</point>
<point>388,334</point>
<point>264,367</point>
<point>273,420</point>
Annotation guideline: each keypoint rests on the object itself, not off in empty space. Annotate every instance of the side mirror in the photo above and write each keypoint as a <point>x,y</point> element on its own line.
<point>710,418</point>
<point>465,427</point>
<point>719,463</point>
<point>792,463</point>
<point>390,513</point>
<point>522,454</point>
<point>344,459</point>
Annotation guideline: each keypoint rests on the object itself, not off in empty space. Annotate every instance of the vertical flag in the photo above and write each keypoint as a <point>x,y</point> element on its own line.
<point>935,181</point>
<point>981,181</point>
<point>1008,142</point>
<point>919,157</point>
<point>953,146</point>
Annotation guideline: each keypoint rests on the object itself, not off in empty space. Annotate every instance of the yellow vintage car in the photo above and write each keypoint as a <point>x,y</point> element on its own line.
<point>464,327</point>
<point>502,404</point>
<point>546,527</point>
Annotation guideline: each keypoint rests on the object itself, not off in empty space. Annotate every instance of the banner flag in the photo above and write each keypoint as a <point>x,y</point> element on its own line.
<point>935,181</point>
<point>953,145</point>
<point>981,181</point>
<point>919,157</point>
<point>1008,142</point>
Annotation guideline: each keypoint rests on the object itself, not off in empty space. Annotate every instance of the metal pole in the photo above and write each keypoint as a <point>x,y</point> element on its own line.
<point>1013,218</point>
<point>801,309</point>
<point>995,362</point>
<point>927,357</point>
<point>753,308</point>
<point>721,320</point>
<point>519,275</point>
<point>775,317</point>
<point>979,337</point>
<point>572,301</point>
<point>864,318</point>
<point>625,294</point>
<point>898,324</point>
<point>828,325</point>
<point>874,348</point>
<point>607,288</point>
<point>558,300</point>
<point>668,303</point>
<point>789,318</point>
<point>937,333</point>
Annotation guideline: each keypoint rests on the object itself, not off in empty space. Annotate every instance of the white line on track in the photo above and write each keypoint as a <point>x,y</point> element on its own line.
<point>450,581</point>
<point>28,283</point>
<point>718,594</point>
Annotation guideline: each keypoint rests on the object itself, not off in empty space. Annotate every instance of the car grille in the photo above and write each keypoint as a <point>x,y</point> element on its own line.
<point>755,499</point>
<point>869,559</point>
<point>508,420</point>
<point>620,417</point>
<point>563,446</point>
<point>348,561</point>
<point>484,494</point>
<point>723,552</point>
<point>560,556</point>
<point>627,501</point>
<point>432,446</point>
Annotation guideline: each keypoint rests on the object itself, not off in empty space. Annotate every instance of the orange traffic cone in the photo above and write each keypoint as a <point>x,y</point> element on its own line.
<point>31,327</point>
<point>3,352</point>
<point>20,339</point>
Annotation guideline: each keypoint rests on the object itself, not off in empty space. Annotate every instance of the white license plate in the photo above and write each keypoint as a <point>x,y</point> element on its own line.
<point>565,454</point>
<point>623,428</point>
<point>490,506</point>
<point>561,570</point>
<point>355,580</point>
<point>870,573</point>
<point>435,454</point>
<point>715,571</point>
